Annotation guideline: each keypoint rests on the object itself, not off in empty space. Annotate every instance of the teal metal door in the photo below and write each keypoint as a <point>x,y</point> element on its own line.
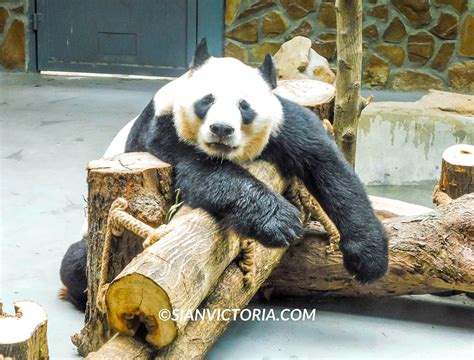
<point>146,37</point>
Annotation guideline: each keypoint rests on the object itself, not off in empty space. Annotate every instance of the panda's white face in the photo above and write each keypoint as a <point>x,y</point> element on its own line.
<point>227,110</point>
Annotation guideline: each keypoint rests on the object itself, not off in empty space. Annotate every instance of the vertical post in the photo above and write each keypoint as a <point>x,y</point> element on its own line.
<point>144,181</point>
<point>348,79</point>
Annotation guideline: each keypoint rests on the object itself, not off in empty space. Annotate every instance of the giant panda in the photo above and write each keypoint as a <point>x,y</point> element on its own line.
<point>223,113</point>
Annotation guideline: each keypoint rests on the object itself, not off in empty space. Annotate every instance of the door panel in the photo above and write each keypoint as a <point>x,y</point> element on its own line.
<point>150,37</point>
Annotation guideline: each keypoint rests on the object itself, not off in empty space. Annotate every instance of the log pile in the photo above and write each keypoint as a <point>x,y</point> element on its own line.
<point>428,253</point>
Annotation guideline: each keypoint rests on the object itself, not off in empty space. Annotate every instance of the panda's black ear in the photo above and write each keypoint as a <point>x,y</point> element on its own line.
<point>268,71</point>
<point>201,54</point>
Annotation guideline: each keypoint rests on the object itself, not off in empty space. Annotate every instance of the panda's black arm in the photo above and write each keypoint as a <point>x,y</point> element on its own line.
<point>304,149</point>
<point>220,187</point>
<point>237,198</point>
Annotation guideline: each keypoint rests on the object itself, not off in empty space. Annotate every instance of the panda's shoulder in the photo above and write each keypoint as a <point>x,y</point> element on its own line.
<point>147,127</point>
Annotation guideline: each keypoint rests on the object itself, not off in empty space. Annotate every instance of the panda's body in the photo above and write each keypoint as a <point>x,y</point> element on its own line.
<point>223,113</point>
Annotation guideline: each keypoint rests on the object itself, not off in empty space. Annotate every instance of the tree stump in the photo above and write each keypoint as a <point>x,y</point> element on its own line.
<point>457,170</point>
<point>24,335</point>
<point>144,181</point>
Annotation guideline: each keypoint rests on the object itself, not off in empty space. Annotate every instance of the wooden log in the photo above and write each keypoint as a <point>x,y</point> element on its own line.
<point>177,272</point>
<point>145,182</point>
<point>348,77</point>
<point>24,335</point>
<point>123,347</point>
<point>428,253</point>
<point>457,170</point>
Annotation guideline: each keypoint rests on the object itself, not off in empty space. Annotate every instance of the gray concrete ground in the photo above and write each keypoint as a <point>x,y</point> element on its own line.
<point>50,127</point>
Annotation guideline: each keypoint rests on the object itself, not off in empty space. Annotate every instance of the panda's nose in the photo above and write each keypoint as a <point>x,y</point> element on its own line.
<point>221,130</point>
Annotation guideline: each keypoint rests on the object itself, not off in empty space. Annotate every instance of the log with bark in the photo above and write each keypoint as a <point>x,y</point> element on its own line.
<point>348,78</point>
<point>144,181</point>
<point>24,335</point>
<point>428,252</point>
<point>457,178</point>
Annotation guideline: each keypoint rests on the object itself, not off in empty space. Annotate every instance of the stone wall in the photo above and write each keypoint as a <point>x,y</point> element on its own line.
<point>13,22</point>
<point>409,45</point>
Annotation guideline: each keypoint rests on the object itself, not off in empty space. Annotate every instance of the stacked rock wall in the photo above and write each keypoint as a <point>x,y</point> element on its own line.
<point>409,45</point>
<point>13,21</point>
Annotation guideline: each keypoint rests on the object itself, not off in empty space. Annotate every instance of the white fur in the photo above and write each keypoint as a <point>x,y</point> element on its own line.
<point>229,81</point>
<point>163,102</point>
<point>164,98</point>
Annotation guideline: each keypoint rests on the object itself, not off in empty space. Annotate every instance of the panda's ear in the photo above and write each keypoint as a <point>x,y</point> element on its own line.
<point>268,71</point>
<point>201,54</point>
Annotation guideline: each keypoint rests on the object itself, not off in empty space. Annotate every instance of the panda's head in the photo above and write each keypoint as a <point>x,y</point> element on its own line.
<point>226,108</point>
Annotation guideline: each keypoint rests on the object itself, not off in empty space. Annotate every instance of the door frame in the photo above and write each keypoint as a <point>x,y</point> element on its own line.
<point>213,31</point>
<point>31,39</point>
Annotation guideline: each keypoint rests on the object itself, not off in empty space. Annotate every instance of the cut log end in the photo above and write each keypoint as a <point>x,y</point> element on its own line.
<point>457,170</point>
<point>136,299</point>
<point>23,335</point>
<point>461,155</point>
<point>127,162</point>
<point>306,92</point>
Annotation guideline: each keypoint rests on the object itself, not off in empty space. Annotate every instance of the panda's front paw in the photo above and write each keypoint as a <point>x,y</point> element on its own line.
<point>366,258</point>
<point>282,227</point>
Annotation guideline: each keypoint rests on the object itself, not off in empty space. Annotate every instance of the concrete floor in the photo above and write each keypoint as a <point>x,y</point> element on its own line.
<point>50,127</point>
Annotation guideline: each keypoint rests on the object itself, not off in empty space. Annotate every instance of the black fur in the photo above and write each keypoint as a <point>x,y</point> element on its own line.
<point>304,149</point>
<point>220,187</point>
<point>202,106</point>
<point>73,274</point>
<point>268,71</point>
<point>248,114</point>
<point>201,54</point>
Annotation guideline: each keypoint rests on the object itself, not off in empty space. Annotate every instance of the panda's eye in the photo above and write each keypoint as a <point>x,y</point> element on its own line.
<point>244,105</point>
<point>202,106</point>
<point>248,114</point>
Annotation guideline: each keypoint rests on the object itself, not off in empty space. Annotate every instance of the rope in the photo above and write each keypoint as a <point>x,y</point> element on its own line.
<point>439,197</point>
<point>307,203</point>
<point>247,261</point>
<point>119,220</point>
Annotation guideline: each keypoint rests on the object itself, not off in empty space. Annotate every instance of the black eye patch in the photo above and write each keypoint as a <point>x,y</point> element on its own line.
<point>202,106</point>
<point>248,114</point>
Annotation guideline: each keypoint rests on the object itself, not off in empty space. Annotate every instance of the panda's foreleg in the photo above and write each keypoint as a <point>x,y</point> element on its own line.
<point>363,242</point>
<point>242,202</point>
<point>304,149</point>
